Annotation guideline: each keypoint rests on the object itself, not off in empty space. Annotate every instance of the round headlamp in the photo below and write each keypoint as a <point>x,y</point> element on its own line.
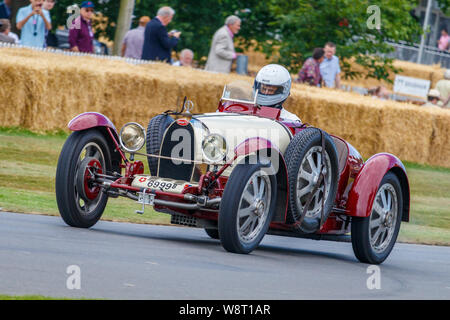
<point>214,148</point>
<point>132,137</point>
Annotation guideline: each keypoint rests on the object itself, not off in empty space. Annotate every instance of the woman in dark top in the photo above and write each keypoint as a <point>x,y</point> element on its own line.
<point>310,72</point>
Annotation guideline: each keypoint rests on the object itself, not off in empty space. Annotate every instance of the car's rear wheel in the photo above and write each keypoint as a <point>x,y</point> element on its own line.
<point>304,164</point>
<point>80,201</point>
<point>374,237</point>
<point>247,207</point>
<point>155,134</point>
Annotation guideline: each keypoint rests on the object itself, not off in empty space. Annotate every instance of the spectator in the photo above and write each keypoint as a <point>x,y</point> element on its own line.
<point>50,38</point>
<point>158,44</point>
<point>14,36</point>
<point>433,99</point>
<point>222,54</point>
<point>5,27</point>
<point>49,4</point>
<point>133,42</point>
<point>186,58</point>
<point>81,36</point>
<point>310,72</point>
<point>33,20</point>
<point>380,92</point>
<point>443,40</point>
<point>443,86</point>
<point>329,68</point>
<point>5,9</point>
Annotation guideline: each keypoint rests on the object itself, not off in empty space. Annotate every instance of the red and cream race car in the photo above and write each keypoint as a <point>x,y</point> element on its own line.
<point>239,173</point>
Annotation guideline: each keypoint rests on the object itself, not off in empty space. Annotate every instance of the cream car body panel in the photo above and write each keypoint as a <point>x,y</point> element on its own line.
<point>237,128</point>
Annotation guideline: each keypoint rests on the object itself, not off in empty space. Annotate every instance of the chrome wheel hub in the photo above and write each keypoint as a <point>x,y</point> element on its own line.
<point>308,176</point>
<point>254,206</point>
<point>383,217</point>
<point>259,207</point>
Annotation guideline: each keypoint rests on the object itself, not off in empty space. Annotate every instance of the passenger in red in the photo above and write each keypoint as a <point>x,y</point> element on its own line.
<point>81,35</point>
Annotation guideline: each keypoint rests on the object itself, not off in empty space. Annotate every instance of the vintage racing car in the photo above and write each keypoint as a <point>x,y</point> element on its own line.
<point>239,173</point>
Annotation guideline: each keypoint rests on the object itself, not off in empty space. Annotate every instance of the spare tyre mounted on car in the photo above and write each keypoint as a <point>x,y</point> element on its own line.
<point>312,164</point>
<point>155,133</point>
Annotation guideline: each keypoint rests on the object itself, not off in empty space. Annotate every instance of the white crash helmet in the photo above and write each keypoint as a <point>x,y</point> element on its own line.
<point>273,83</point>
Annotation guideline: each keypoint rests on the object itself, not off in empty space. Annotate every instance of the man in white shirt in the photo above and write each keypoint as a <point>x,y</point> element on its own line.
<point>329,67</point>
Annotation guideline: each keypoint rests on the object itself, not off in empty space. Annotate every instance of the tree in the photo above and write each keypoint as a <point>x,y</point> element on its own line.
<point>123,24</point>
<point>302,25</point>
<point>287,30</point>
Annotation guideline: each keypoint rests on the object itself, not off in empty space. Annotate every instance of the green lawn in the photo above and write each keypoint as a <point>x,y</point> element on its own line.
<point>27,178</point>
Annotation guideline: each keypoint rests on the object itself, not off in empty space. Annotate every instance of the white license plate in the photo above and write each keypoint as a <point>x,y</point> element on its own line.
<point>146,198</point>
<point>161,184</point>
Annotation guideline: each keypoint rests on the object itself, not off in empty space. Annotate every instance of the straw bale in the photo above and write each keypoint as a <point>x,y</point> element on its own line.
<point>44,91</point>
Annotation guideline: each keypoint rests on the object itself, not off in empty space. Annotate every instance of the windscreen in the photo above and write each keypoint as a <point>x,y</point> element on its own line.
<point>239,91</point>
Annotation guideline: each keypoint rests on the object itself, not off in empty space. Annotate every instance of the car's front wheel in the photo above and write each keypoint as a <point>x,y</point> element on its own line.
<point>247,207</point>
<point>80,201</point>
<point>212,233</point>
<point>374,237</point>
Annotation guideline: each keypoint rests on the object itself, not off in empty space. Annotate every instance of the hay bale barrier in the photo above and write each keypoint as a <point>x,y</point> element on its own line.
<point>43,91</point>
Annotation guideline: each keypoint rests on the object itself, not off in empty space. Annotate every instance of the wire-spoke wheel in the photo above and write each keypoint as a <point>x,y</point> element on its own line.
<point>247,207</point>
<point>374,237</point>
<point>80,201</point>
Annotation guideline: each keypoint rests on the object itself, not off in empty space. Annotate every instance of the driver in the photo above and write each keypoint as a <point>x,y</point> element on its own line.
<point>273,83</point>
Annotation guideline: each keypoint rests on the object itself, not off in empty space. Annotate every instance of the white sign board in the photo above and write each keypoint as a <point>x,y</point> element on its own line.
<point>411,86</point>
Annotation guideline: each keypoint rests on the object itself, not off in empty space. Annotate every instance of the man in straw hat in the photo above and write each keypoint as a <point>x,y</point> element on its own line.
<point>433,98</point>
<point>133,42</point>
<point>443,86</point>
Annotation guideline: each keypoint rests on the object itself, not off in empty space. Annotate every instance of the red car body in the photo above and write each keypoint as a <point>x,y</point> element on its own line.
<point>357,185</point>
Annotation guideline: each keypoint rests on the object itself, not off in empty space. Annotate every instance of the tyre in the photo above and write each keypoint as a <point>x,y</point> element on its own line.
<point>247,207</point>
<point>213,233</point>
<point>374,237</point>
<point>80,202</point>
<point>155,133</point>
<point>303,158</point>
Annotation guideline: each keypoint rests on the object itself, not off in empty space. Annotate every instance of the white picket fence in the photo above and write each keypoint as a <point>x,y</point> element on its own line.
<point>77,54</point>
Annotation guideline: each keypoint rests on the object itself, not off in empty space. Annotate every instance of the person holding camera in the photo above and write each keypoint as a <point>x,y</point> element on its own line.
<point>33,20</point>
<point>158,43</point>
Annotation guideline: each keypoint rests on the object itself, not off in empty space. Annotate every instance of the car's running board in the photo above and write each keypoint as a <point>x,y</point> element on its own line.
<point>313,236</point>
